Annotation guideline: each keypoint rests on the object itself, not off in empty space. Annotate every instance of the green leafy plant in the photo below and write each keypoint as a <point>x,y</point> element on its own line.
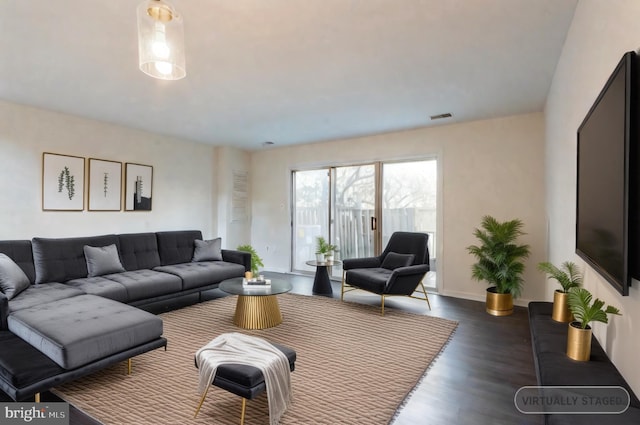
<point>66,180</point>
<point>568,275</point>
<point>256,261</point>
<point>499,257</point>
<point>585,312</point>
<point>323,247</point>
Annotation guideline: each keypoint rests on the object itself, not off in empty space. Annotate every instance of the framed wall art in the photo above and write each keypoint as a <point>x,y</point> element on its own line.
<point>138,187</point>
<point>62,182</point>
<point>105,185</point>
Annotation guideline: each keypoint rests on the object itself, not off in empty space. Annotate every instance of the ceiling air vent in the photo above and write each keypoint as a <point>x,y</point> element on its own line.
<point>441,116</point>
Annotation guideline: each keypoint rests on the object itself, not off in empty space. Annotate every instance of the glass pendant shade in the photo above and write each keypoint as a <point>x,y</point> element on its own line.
<point>161,40</point>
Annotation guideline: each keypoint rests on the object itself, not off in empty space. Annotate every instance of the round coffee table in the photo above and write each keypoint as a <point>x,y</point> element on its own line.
<point>257,306</point>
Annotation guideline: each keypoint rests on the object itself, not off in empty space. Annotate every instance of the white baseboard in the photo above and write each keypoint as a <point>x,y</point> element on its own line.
<point>522,302</point>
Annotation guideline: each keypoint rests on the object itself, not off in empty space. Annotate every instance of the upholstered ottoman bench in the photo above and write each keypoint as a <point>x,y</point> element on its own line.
<point>243,380</point>
<point>79,330</point>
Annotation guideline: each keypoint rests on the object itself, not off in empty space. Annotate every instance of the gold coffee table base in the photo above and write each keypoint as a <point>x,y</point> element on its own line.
<point>257,312</point>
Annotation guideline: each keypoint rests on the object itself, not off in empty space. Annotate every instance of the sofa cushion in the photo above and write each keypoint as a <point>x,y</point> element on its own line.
<point>12,279</point>
<point>102,260</point>
<point>59,260</point>
<point>139,251</point>
<point>207,250</point>
<point>373,279</point>
<point>194,275</point>
<point>177,247</point>
<point>142,284</point>
<point>82,329</point>
<point>21,253</point>
<point>393,260</point>
<point>102,287</point>
<point>35,295</point>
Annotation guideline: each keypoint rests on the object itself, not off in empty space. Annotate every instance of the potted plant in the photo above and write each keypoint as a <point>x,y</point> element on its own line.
<point>568,276</point>
<point>256,261</point>
<point>499,262</point>
<point>585,312</point>
<point>324,250</point>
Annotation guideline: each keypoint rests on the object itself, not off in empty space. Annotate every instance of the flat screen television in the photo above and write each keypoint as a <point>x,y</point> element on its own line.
<point>606,229</point>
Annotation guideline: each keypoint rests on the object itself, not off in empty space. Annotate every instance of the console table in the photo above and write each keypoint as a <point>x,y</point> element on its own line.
<point>554,368</point>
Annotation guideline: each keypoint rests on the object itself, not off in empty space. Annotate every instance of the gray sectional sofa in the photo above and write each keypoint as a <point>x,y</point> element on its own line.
<point>55,330</point>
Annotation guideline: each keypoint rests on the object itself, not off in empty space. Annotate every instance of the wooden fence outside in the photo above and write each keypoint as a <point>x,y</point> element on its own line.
<point>353,235</point>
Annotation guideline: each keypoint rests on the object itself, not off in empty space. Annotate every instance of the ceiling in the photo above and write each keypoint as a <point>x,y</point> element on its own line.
<point>287,71</point>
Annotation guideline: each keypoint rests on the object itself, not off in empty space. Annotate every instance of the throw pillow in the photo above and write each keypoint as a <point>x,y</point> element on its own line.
<point>393,260</point>
<point>12,278</point>
<point>207,250</point>
<point>102,260</point>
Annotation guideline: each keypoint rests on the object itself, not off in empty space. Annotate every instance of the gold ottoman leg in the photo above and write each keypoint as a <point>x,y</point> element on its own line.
<point>204,395</point>
<point>244,407</point>
<point>257,312</point>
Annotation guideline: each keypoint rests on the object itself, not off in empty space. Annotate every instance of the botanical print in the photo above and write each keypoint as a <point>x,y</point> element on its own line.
<point>66,181</point>
<point>105,185</point>
<point>62,182</point>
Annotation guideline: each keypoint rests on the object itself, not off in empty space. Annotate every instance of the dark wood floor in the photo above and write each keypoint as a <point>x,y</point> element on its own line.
<point>474,379</point>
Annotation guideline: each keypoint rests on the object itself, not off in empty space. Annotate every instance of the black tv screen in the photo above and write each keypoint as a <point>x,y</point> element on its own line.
<point>605,235</point>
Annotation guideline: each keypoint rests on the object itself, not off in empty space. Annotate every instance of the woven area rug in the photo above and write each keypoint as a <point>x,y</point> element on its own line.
<point>354,366</point>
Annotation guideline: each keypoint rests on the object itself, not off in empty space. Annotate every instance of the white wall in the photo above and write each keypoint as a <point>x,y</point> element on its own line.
<point>488,167</point>
<point>233,229</point>
<point>600,33</point>
<point>183,176</point>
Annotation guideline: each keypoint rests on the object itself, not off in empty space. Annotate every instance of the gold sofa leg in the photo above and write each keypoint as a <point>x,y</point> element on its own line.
<point>36,398</point>
<point>382,305</point>
<point>342,291</point>
<point>129,366</point>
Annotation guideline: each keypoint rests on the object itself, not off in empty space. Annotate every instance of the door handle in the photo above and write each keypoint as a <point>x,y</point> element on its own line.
<point>374,223</point>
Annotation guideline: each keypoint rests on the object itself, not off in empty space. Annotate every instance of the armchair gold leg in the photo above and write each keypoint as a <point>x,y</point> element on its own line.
<point>36,398</point>
<point>426,297</point>
<point>342,291</point>
<point>382,305</point>
<point>129,365</point>
<point>244,408</point>
<point>204,395</point>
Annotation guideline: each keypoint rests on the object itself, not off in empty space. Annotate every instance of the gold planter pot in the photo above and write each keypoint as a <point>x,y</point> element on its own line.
<point>578,342</point>
<point>499,304</point>
<point>561,312</point>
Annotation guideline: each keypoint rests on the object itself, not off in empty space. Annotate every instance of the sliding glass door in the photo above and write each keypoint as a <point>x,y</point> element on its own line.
<point>358,207</point>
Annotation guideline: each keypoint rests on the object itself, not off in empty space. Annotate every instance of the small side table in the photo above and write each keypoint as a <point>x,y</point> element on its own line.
<point>321,282</point>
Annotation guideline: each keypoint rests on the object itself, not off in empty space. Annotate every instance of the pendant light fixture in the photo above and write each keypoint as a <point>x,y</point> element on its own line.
<point>161,40</point>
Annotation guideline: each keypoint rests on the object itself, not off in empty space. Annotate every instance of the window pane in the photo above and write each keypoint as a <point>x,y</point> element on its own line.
<point>311,219</point>
<point>409,194</point>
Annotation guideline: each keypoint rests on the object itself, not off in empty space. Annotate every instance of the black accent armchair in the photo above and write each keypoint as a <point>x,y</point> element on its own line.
<point>399,270</point>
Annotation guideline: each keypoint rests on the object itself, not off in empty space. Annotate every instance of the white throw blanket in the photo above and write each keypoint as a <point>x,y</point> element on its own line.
<point>253,351</point>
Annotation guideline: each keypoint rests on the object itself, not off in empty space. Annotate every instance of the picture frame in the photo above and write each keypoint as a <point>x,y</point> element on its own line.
<point>138,187</point>
<point>62,182</point>
<point>105,185</point>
